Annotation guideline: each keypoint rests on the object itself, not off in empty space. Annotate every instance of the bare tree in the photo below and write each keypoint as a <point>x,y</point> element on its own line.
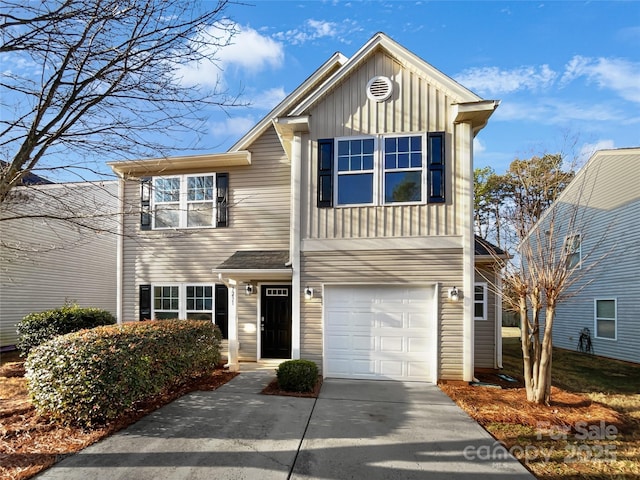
<point>102,80</point>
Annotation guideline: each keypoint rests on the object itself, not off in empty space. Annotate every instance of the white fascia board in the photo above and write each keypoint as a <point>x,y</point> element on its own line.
<point>179,164</point>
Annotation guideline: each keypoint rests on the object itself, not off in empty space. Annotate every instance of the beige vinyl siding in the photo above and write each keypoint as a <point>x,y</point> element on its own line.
<point>45,262</point>
<point>247,325</point>
<point>416,106</point>
<point>406,267</point>
<point>485,330</point>
<point>259,199</point>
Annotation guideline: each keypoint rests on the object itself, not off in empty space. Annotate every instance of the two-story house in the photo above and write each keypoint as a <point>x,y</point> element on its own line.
<point>338,229</point>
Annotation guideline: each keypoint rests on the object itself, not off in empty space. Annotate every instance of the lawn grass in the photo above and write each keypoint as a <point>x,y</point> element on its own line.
<point>607,383</point>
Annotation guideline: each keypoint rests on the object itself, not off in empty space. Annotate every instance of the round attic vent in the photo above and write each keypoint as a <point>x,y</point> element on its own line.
<point>379,88</point>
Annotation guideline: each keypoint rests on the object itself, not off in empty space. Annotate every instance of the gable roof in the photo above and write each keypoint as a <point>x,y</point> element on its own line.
<point>471,107</point>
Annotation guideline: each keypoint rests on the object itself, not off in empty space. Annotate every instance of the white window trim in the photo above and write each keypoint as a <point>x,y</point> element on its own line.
<point>379,170</point>
<point>596,318</point>
<point>184,202</point>
<point>485,302</point>
<point>182,298</point>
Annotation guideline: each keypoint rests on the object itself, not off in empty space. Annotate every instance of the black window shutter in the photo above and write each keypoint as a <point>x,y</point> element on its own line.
<point>221,317</point>
<point>145,302</point>
<point>325,172</point>
<point>222,200</point>
<point>435,167</point>
<point>145,203</point>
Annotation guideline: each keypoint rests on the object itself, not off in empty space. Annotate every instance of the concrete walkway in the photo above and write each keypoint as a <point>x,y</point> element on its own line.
<point>355,429</point>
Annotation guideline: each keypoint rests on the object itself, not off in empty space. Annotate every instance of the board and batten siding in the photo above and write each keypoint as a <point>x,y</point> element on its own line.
<point>485,330</point>
<point>383,267</point>
<point>259,205</point>
<point>416,106</point>
<point>45,263</point>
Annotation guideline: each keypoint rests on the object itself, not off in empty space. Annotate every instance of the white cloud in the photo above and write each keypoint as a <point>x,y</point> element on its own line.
<point>233,127</point>
<point>311,30</point>
<point>615,74</point>
<point>247,50</point>
<point>268,99</point>
<point>588,149</point>
<point>495,81</point>
<point>478,146</point>
<point>556,112</point>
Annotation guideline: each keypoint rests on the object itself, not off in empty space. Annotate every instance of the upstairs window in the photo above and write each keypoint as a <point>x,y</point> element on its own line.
<point>184,201</point>
<point>381,170</point>
<point>573,247</point>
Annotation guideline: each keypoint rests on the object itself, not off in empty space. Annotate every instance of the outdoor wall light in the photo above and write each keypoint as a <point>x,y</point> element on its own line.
<point>308,293</point>
<point>248,289</point>
<point>454,294</point>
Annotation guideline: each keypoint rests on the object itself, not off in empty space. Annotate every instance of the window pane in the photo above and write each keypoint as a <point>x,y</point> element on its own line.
<point>356,164</point>
<point>390,161</point>
<point>478,310</point>
<point>416,144</point>
<point>416,160</point>
<point>166,315</point>
<point>403,160</point>
<point>606,309</point>
<point>343,147</point>
<point>356,147</point>
<point>402,187</point>
<point>403,144</point>
<point>200,214</point>
<point>479,293</point>
<point>190,303</point>
<point>166,189</point>
<point>606,328</point>
<point>200,188</point>
<point>167,216</point>
<point>367,146</point>
<point>343,164</point>
<point>367,162</point>
<point>390,145</point>
<point>355,189</point>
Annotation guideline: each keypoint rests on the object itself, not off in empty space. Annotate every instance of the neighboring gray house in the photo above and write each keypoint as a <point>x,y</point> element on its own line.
<point>46,261</point>
<point>338,229</point>
<point>604,246</point>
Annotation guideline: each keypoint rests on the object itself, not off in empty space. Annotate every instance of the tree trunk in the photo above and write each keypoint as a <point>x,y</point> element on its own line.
<point>543,387</point>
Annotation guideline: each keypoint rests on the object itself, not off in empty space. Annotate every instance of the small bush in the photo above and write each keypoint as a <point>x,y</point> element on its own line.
<point>90,377</point>
<point>297,375</point>
<point>37,328</point>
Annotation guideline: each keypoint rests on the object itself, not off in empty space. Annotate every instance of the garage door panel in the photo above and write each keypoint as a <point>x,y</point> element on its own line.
<point>378,332</point>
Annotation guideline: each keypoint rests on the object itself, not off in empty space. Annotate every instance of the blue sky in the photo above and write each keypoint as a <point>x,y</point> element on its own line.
<point>567,73</point>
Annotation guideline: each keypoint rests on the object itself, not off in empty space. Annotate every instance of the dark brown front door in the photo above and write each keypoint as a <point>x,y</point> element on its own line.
<point>275,322</point>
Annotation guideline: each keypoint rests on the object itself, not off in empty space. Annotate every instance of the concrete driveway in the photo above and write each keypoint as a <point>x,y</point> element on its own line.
<point>354,430</point>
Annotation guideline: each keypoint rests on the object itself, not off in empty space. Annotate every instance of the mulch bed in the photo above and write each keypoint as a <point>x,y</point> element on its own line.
<point>274,389</point>
<point>30,442</point>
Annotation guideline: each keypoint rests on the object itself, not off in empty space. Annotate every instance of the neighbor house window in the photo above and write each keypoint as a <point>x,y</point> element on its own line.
<point>606,318</point>
<point>381,170</point>
<point>184,201</point>
<point>480,301</point>
<point>573,246</point>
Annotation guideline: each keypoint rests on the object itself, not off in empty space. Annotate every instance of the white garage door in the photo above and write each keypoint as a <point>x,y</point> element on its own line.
<point>379,332</point>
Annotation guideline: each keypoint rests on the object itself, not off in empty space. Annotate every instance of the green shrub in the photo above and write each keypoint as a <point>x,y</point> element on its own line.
<point>297,375</point>
<point>90,377</point>
<point>37,328</point>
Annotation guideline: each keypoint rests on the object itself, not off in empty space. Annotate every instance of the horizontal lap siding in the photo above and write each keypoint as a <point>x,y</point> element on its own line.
<point>416,106</point>
<point>485,330</point>
<point>419,267</point>
<point>55,261</point>
<point>258,217</point>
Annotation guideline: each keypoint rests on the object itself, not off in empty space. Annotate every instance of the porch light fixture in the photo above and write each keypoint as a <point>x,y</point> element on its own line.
<point>308,293</point>
<point>454,294</point>
<point>248,289</point>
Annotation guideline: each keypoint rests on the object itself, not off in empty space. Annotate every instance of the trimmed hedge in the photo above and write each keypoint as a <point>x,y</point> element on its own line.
<point>297,375</point>
<point>36,328</point>
<point>90,377</point>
